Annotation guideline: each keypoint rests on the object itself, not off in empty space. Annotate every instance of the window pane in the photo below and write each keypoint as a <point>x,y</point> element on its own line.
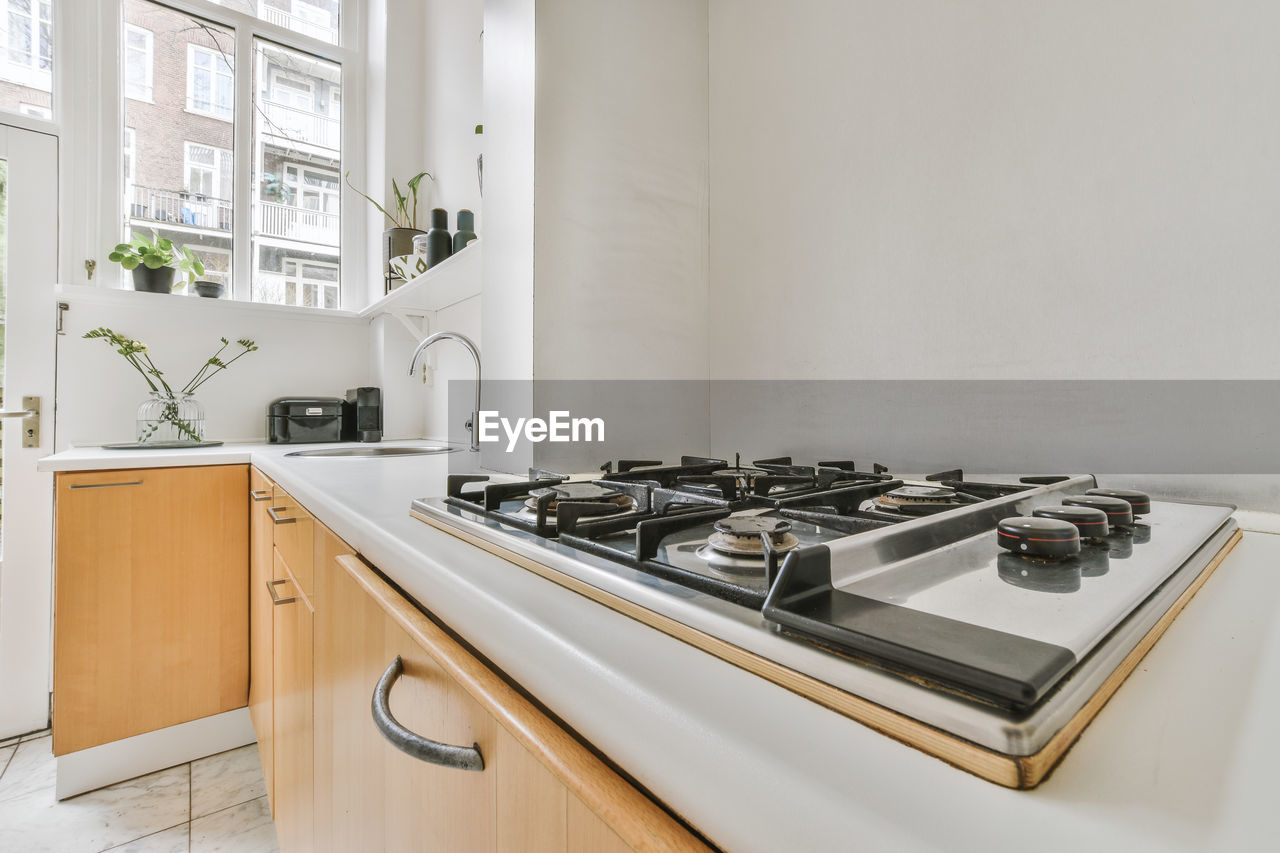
<point>26,57</point>
<point>297,200</point>
<point>179,141</point>
<point>318,19</point>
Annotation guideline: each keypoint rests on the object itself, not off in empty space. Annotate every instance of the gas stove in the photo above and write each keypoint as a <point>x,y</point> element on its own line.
<point>985,622</point>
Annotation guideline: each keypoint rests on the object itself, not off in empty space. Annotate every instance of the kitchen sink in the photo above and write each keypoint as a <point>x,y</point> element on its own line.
<point>366,452</point>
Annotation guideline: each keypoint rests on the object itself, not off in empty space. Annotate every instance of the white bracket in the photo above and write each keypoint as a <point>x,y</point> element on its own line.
<point>418,322</point>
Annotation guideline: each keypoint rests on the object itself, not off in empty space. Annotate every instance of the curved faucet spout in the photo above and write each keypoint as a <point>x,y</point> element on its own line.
<point>474,424</point>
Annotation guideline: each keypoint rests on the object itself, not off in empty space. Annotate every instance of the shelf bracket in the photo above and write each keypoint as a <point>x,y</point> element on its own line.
<point>417,322</point>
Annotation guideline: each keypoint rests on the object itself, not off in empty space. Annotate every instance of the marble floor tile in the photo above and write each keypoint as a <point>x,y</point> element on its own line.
<point>32,768</point>
<point>226,779</point>
<point>34,821</point>
<point>246,828</point>
<point>174,840</point>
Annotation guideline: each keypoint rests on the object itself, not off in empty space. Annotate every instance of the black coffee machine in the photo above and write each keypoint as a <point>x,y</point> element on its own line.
<point>362,415</point>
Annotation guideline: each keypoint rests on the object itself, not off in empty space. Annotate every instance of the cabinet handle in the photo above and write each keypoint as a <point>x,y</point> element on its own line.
<point>410,743</point>
<point>104,485</point>
<point>260,494</point>
<point>272,510</point>
<point>275,599</point>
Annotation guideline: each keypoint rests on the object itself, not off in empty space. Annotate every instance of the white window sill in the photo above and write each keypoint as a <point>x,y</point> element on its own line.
<point>81,294</point>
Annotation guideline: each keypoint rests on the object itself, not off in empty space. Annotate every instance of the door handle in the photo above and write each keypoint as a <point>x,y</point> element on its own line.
<point>412,743</point>
<point>273,512</point>
<point>275,599</point>
<point>105,485</point>
<point>30,414</point>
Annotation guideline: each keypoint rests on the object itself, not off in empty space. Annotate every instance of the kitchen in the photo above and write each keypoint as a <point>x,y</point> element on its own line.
<point>979,217</point>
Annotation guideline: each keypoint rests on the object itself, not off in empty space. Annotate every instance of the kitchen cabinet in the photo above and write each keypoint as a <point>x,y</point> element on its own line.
<point>532,787</point>
<point>292,743</point>
<point>261,629</point>
<point>151,600</point>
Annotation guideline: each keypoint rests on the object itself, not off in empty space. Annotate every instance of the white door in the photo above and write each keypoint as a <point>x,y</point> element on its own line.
<point>28,271</point>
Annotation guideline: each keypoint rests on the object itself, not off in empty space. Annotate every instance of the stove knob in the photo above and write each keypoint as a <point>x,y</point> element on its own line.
<point>1140,502</point>
<point>1119,512</point>
<point>1092,523</point>
<point>1038,537</point>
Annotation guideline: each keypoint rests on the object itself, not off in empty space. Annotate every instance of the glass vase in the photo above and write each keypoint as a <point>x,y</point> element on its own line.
<point>170,417</point>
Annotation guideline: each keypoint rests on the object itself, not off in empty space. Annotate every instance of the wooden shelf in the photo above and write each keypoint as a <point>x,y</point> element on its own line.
<point>447,283</point>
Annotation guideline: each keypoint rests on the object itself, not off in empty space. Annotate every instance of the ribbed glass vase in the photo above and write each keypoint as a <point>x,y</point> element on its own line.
<point>170,417</point>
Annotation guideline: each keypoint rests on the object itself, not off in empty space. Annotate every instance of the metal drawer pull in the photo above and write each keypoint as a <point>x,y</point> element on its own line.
<point>105,485</point>
<point>275,599</point>
<point>260,494</point>
<point>410,743</point>
<point>272,510</point>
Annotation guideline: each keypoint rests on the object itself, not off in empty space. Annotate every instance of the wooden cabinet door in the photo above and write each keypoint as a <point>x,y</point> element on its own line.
<point>380,798</point>
<point>292,741</point>
<point>261,630</point>
<point>151,600</point>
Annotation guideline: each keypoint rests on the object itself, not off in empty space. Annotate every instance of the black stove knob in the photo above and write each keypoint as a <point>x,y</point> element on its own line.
<point>1092,523</point>
<point>1140,502</point>
<point>1038,537</point>
<point>1119,512</point>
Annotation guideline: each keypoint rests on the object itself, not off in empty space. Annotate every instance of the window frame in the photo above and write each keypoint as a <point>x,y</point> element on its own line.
<point>30,73</point>
<point>149,55</point>
<point>98,163</point>
<point>214,169</point>
<point>216,64</point>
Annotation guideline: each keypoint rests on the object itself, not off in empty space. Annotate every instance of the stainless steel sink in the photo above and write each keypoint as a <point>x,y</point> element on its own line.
<point>366,452</point>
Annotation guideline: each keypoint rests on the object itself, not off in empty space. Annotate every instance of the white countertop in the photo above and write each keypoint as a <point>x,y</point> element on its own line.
<point>1181,758</point>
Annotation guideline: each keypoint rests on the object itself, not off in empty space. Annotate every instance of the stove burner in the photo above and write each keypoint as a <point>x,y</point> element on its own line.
<point>740,536</point>
<point>743,474</point>
<point>579,493</point>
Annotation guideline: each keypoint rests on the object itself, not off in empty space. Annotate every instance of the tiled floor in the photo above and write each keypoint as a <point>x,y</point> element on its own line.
<point>214,804</point>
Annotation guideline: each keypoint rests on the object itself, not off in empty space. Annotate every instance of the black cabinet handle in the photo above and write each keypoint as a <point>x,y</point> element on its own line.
<point>411,743</point>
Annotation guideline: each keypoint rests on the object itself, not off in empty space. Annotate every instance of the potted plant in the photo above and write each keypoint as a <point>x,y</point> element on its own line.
<point>149,260</point>
<point>169,414</point>
<point>398,239</point>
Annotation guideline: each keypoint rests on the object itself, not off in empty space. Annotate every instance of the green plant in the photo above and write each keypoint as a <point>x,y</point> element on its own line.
<point>274,187</point>
<point>135,352</point>
<point>190,266</point>
<point>406,207</point>
<point>152,253</point>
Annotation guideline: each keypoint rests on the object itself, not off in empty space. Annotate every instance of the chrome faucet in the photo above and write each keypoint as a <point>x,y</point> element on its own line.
<point>474,424</point>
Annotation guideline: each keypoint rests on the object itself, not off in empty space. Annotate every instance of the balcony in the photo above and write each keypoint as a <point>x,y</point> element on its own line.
<point>297,223</point>
<point>300,126</point>
<point>178,207</point>
<point>282,18</point>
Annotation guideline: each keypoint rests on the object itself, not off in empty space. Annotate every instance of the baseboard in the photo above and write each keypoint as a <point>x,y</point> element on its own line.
<point>93,768</point>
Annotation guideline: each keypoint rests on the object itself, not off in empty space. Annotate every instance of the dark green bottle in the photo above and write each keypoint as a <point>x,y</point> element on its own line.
<point>439,244</point>
<point>466,230</point>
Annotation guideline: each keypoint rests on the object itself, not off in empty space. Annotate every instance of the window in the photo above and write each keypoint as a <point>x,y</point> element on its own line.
<point>138,53</point>
<point>179,164</point>
<point>26,57</point>
<point>30,40</point>
<point>208,170</point>
<point>210,82</point>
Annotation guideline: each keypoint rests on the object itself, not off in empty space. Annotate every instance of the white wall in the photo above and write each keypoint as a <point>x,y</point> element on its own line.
<point>452,95</point>
<point>995,188</point>
<point>620,263</point>
<point>301,353</point>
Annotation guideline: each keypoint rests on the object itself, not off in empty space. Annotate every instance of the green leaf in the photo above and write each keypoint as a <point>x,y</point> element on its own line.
<point>130,262</point>
<point>153,262</point>
<point>479,128</point>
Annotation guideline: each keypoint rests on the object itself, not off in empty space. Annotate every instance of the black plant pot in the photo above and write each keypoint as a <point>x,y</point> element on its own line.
<point>148,280</point>
<point>209,289</point>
